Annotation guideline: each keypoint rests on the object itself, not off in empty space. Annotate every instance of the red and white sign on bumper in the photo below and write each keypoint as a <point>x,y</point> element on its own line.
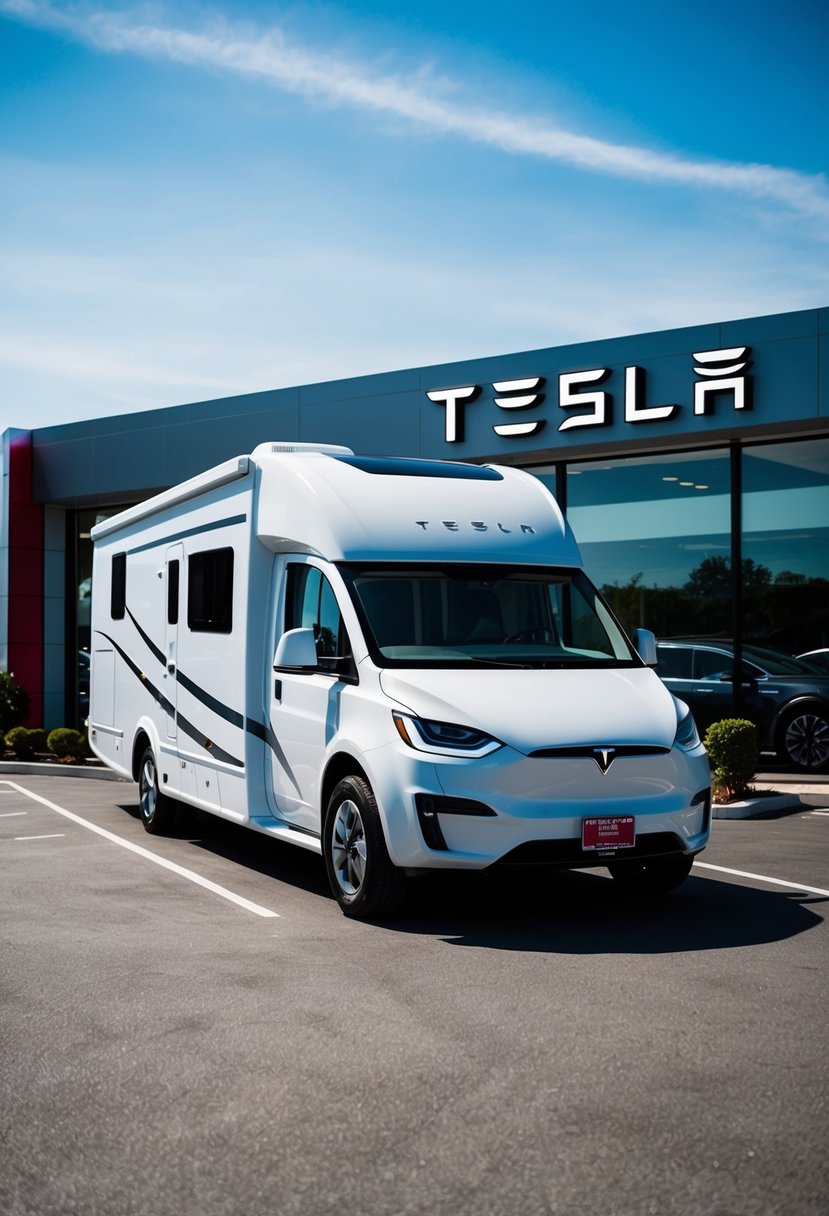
<point>608,832</point>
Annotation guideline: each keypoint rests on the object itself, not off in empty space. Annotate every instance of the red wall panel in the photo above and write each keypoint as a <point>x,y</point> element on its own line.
<point>25,578</point>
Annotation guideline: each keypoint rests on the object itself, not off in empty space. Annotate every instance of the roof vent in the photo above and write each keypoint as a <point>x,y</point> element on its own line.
<point>328,449</point>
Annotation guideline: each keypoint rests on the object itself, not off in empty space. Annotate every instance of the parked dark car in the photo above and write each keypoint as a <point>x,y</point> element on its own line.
<point>788,698</point>
<point>817,658</point>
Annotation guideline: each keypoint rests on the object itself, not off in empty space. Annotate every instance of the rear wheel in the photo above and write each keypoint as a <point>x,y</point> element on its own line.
<point>804,738</point>
<point>158,812</point>
<point>363,878</point>
<point>651,876</point>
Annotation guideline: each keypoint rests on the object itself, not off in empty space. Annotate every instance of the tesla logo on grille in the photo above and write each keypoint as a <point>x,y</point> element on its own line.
<point>604,757</point>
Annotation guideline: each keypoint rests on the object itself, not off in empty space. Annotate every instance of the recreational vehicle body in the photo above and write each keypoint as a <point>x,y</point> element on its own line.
<point>399,664</point>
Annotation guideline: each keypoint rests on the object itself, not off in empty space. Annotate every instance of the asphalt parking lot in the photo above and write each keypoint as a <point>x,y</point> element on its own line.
<point>190,1026</point>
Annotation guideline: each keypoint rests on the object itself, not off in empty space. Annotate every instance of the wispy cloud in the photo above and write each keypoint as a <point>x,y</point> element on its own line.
<point>269,56</point>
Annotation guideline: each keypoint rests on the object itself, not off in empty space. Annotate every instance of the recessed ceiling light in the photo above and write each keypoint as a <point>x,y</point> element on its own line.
<point>670,479</point>
<point>686,483</point>
<point>701,487</point>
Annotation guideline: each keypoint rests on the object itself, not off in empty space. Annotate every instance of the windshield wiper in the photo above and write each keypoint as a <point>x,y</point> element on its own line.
<point>499,663</point>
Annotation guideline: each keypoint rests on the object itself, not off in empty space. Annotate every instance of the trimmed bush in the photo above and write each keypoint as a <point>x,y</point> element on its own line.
<point>38,739</point>
<point>68,745</point>
<point>732,751</point>
<point>14,704</point>
<point>26,743</point>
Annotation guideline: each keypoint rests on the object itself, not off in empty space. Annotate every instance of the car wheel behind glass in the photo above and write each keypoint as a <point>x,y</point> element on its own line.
<point>360,871</point>
<point>651,876</point>
<point>804,739</point>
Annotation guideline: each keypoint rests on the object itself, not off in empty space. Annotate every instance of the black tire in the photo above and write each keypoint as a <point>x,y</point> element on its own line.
<point>363,878</point>
<point>158,811</point>
<point>804,738</point>
<point>652,875</point>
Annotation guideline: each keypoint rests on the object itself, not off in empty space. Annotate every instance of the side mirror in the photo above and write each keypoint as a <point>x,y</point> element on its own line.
<point>645,643</point>
<point>296,650</point>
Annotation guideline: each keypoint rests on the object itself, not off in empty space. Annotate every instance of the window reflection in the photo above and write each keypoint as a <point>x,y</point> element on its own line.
<point>786,545</point>
<point>655,535</point>
<point>81,591</point>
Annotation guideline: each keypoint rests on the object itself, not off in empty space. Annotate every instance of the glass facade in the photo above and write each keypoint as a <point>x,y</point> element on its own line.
<point>785,543</point>
<point>657,538</point>
<point>655,535</point>
<point>80,525</point>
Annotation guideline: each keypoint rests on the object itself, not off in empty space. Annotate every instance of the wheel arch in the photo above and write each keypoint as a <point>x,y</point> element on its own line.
<point>800,704</point>
<point>341,765</point>
<point>144,737</point>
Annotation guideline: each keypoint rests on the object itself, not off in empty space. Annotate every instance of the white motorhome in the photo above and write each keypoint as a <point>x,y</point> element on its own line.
<point>399,664</point>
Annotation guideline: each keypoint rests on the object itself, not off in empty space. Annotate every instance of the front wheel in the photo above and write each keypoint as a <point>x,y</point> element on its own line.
<point>158,812</point>
<point>804,739</point>
<point>363,878</point>
<point>652,876</point>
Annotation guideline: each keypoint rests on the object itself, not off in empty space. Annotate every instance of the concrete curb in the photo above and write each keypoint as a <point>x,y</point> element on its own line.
<point>751,807</point>
<point>33,769</point>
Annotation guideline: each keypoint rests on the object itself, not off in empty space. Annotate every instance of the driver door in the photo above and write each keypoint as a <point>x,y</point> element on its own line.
<point>305,704</point>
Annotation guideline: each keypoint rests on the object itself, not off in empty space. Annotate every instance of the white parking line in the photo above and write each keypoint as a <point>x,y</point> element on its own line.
<point>12,814</point>
<point>50,836</point>
<point>257,909</point>
<point>826,813</point>
<point>778,882</point>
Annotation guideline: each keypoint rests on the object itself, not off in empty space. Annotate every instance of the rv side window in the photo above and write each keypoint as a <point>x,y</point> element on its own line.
<point>172,593</point>
<point>118,597</point>
<point>311,604</point>
<point>210,591</point>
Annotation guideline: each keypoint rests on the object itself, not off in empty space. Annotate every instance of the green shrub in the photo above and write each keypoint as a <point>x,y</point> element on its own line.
<point>38,739</point>
<point>14,704</point>
<point>732,751</point>
<point>26,743</point>
<point>68,745</point>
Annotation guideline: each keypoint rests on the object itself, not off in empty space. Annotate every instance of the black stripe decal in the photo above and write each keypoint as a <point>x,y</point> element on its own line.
<point>176,536</point>
<point>218,707</point>
<point>186,726</point>
<point>156,693</point>
<point>159,654</point>
<point>266,734</point>
<point>224,711</point>
<point>263,732</point>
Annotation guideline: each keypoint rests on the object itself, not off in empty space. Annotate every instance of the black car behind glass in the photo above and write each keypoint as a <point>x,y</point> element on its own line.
<point>788,698</point>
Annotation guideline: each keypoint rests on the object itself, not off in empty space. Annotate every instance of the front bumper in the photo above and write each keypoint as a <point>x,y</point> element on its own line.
<point>509,807</point>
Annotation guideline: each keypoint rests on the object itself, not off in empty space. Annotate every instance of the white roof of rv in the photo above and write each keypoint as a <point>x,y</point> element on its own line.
<point>210,479</point>
<point>321,498</point>
<point>357,508</point>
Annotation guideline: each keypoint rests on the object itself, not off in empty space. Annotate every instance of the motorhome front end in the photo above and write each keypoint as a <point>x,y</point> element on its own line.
<point>398,664</point>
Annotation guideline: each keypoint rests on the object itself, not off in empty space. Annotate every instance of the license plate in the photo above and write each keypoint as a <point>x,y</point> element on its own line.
<point>608,832</point>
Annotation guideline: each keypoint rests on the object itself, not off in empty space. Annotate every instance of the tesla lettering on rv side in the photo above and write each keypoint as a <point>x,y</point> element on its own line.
<point>477,525</point>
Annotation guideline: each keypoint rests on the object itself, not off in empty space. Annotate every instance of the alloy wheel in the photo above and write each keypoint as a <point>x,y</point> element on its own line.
<point>348,847</point>
<point>807,740</point>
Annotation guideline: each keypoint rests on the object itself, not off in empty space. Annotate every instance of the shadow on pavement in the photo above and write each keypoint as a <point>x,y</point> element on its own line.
<point>543,911</point>
<point>581,912</point>
<point>284,862</point>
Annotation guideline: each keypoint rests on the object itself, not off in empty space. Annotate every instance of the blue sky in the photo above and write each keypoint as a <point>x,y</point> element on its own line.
<point>198,200</point>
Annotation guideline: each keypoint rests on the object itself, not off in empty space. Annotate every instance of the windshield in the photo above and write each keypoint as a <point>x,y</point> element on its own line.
<point>458,615</point>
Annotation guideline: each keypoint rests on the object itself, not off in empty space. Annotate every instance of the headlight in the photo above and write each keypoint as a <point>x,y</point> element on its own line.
<point>444,738</point>
<point>687,735</point>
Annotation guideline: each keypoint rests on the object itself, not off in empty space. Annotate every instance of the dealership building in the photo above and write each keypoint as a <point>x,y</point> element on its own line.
<point>693,465</point>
